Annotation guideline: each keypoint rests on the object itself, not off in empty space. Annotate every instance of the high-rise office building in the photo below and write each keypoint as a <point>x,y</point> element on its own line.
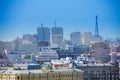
<point>86,38</point>
<point>17,43</point>
<point>43,34</point>
<point>75,38</point>
<point>1,46</point>
<point>57,36</point>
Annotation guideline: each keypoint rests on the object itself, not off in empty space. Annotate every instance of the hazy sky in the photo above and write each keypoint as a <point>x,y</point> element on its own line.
<point>18,17</point>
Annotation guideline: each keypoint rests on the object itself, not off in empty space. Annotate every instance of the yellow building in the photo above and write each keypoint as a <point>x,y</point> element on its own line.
<point>67,74</point>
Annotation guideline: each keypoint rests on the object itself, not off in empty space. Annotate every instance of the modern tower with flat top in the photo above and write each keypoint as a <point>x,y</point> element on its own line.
<point>43,35</point>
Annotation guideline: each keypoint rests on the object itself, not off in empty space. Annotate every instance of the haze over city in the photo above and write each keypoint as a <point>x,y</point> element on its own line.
<point>59,39</point>
<point>24,16</point>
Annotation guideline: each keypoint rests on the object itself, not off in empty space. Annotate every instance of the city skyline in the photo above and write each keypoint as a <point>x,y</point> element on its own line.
<point>23,17</point>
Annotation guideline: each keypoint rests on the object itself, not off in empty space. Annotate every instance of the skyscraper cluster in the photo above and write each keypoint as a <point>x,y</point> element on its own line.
<point>53,36</point>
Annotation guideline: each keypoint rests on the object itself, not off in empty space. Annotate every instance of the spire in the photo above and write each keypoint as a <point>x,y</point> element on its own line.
<point>96,27</point>
<point>54,23</point>
<point>41,24</point>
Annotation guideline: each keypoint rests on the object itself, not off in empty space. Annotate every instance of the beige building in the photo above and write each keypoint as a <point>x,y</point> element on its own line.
<point>67,74</point>
<point>86,38</point>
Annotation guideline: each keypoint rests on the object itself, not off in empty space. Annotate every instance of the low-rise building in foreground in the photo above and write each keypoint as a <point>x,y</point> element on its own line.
<point>67,74</point>
<point>99,71</point>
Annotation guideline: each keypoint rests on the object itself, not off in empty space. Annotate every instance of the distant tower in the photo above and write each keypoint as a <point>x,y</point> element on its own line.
<point>43,34</point>
<point>57,36</point>
<point>96,27</point>
<point>54,23</point>
<point>41,24</point>
<point>75,38</point>
<point>97,38</point>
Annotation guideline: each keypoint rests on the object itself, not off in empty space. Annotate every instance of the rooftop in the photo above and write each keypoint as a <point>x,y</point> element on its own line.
<point>37,71</point>
<point>94,65</point>
<point>20,71</point>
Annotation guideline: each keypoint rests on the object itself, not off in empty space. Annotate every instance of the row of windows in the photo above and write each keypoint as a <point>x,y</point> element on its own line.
<point>50,77</point>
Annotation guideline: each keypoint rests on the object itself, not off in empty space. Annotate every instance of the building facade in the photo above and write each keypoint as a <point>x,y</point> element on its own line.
<point>57,36</point>
<point>43,34</point>
<point>28,47</point>
<point>41,75</point>
<point>101,52</point>
<point>74,51</point>
<point>75,38</point>
<point>1,47</point>
<point>86,38</point>
<point>99,71</point>
<point>46,54</point>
